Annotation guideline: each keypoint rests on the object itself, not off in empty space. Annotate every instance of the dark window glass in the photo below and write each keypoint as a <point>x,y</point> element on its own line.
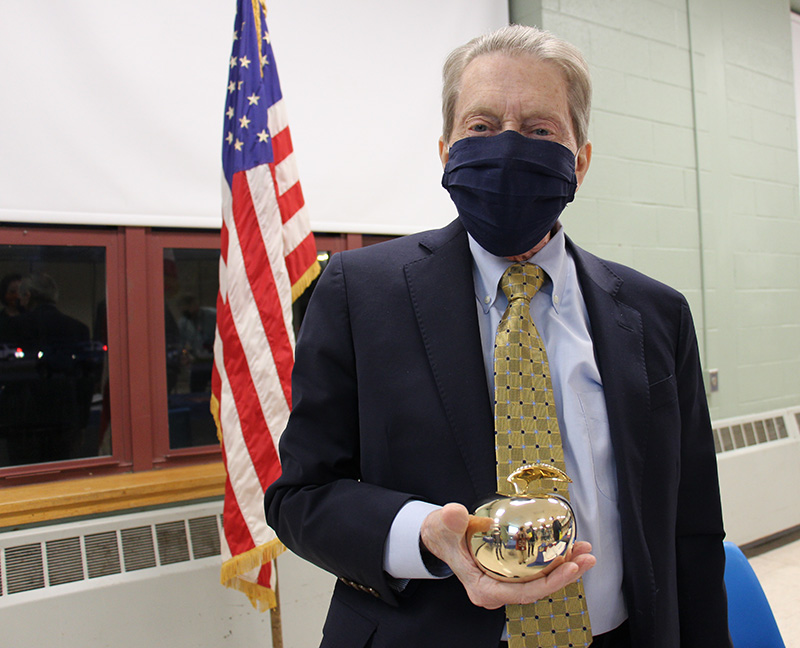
<point>54,403</point>
<point>191,284</point>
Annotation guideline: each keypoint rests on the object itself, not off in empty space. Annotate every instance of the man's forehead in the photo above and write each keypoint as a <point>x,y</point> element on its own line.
<point>499,77</point>
<point>526,60</point>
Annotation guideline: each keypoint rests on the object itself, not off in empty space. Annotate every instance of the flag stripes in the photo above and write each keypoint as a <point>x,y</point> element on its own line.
<point>262,251</point>
<point>267,258</point>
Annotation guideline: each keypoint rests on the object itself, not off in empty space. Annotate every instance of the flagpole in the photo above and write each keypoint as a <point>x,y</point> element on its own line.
<point>275,613</point>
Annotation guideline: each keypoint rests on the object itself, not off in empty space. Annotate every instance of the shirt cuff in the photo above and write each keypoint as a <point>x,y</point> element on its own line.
<point>402,558</point>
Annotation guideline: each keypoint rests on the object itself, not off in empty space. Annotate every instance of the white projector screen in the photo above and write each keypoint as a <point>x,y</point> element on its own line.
<point>113,112</point>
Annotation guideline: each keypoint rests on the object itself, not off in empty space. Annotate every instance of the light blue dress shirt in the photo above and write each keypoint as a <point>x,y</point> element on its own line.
<point>559,312</point>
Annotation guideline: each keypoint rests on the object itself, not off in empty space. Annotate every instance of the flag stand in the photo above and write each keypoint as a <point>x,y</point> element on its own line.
<point>275,613</point>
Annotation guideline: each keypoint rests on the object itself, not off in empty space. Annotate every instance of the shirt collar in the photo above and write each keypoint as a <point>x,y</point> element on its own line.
<point>487,269</point>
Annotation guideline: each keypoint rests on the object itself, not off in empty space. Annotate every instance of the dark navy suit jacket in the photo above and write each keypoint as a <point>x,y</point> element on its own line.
<point>391,404</point>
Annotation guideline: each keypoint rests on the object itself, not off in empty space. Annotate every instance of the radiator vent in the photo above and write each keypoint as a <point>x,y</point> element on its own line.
<point>109,547</point>
<point>735,434</point>
<point>64,561</point>
<point>172,544</point>
<point>102,554</point>
<point>138,548</point>
<point>24,568</point>
<point>205,538</point>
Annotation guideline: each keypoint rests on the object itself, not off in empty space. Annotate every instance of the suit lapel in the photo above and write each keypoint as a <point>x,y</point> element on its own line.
<point>442,292</point>
<point>618,337</point>
<point>449,327</point>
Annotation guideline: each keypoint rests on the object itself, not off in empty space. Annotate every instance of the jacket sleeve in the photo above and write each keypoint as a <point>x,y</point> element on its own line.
<point>700,555</point>
<point>319,507</point>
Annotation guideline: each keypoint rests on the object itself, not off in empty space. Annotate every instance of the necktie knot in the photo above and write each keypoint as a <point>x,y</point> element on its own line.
<point>521,281</point>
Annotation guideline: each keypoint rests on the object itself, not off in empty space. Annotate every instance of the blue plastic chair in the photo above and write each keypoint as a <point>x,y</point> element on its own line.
<point>750,618</point>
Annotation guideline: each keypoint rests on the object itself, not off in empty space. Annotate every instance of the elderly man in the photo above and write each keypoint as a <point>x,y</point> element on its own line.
<point>399,425</point>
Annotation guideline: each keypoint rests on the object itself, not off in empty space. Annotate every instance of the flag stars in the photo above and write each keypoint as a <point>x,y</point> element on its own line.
<point>244,122</point>
<point>253,99</point>
<point>244,62</point>
<point>232,86</point>
<point>264,60</point>
<point>230,112</point>
<point>263,136</point>
<point>233,62</point>
<point>238,145</point>
<point>229,138</point>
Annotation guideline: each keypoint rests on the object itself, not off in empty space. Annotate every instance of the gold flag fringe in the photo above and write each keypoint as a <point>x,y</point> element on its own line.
<point>262,598</point>
<point>299,286</point>
<point>214,407</point>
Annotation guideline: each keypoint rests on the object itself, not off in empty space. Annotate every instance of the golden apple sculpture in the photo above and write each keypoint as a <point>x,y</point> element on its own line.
<point>527,535</point>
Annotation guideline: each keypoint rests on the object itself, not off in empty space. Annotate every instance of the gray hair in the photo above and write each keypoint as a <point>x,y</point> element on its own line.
<point>515,40</point>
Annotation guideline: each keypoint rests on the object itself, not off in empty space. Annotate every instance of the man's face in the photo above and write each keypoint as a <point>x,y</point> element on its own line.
<point>521,93</point>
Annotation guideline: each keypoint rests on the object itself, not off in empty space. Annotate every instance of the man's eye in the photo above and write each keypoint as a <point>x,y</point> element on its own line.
<point>540,132</point>
<point>479,128</point>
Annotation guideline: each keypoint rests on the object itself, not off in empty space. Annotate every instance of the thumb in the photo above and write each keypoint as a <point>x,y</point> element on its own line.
<point>455,518</point>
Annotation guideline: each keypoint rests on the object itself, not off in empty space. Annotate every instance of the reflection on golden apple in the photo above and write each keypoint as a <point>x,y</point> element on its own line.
<point>525,536</point>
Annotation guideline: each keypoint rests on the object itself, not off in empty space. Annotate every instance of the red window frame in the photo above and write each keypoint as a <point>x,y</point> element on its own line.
<point>111,240</point>
<point>158,448</point>
<point>137,380</point>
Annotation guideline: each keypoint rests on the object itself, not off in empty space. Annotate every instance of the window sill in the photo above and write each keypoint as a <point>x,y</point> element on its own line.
<point>20,505</point>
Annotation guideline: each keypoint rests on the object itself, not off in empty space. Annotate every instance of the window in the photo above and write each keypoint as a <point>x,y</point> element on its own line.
<point>56,343</point>
<point>106,348</point>
<point>89,383</point>
<point>190,320</point>
<point>53,354</point>
<point>186,317</point>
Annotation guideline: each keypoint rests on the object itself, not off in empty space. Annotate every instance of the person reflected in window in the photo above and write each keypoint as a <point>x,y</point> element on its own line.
<point>9,298</point>
<point>55,399</point>
<point>197,325</point>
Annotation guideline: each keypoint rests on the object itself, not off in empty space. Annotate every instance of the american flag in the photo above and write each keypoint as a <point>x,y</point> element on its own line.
<point>267,259</point>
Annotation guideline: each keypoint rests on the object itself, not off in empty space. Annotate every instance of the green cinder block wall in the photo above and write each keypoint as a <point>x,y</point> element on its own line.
<point>694,178</point>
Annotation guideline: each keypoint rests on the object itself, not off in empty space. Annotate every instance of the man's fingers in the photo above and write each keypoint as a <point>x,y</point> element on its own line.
<point>478,525</point>
<point>581,547</point>
<point>534,590</point>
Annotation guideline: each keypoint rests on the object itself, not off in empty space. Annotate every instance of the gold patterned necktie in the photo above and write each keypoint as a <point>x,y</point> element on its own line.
<point>526,431</point>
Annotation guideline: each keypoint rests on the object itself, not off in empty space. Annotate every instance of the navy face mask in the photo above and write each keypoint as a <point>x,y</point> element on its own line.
<point>509,189</point>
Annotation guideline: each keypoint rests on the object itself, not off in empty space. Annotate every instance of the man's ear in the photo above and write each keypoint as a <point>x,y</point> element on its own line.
<point>582,161</point>
<point>444,151</point>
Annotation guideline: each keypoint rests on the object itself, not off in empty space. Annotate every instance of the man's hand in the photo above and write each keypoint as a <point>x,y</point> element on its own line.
<point>444,534</point>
